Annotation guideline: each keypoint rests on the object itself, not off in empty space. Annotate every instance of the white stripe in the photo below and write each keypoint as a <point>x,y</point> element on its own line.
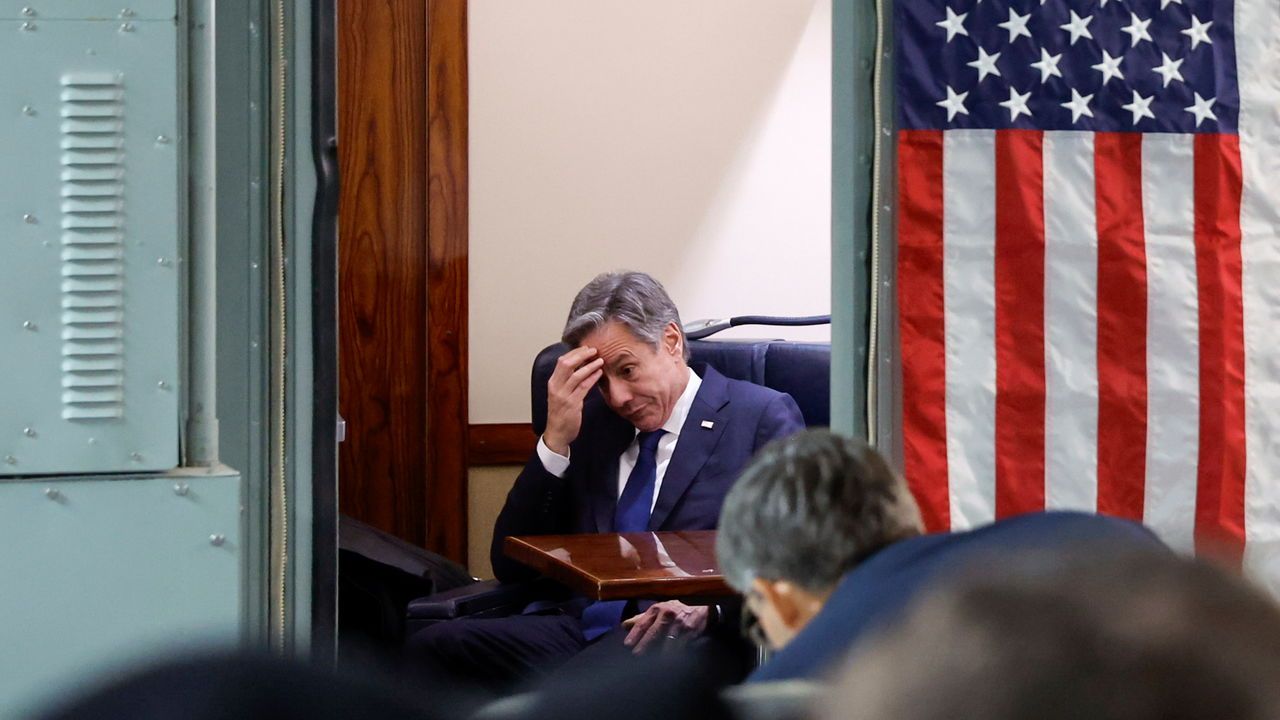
<point>1070,322</point>
<point>1173,337</point>
<point>969,241</point>
<point>1257,56</point>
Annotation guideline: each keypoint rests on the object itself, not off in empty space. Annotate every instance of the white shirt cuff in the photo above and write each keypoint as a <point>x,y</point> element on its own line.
<point>552,462</point>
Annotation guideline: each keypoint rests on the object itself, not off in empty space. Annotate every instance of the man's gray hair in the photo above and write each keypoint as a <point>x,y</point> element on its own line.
<point>634,299</point>
<point>808,509</point>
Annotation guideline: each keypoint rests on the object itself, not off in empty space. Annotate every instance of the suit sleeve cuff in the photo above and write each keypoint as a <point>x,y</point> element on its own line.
<point>552,462</point>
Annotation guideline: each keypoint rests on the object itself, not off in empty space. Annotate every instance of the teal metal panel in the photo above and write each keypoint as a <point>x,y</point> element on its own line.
<point>853,145</point>
<point>89,232</point>
<point>39,11</point>
<point>96,574</point>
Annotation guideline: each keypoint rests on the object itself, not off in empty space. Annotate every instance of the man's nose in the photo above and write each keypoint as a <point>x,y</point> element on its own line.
<point>616,394</point>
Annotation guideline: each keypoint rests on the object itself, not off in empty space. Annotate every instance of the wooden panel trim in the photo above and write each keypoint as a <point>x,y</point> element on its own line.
<point>382,152</point>
<point>447,405</point>
<point>501,443</point>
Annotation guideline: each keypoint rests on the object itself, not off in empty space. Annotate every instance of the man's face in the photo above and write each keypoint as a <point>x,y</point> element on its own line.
<point>640,382</point>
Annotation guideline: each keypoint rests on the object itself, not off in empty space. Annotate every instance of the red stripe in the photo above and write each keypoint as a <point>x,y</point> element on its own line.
<point>1122,325</point>
<point>1220,483</point>
<point>921,324</point>
<point>1019,279</point>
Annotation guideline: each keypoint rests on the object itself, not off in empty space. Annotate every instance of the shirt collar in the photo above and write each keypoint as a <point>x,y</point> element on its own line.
<point>684,404</point>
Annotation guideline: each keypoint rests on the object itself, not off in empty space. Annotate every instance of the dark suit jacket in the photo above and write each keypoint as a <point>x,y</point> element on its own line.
<point>705,464</point>
<point>877,591</point>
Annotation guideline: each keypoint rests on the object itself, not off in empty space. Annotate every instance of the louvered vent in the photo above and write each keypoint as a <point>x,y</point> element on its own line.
<point>93,163</point>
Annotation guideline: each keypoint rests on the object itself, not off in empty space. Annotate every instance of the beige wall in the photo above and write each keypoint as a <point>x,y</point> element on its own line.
<point>486,491</point>
<point>687,139</point>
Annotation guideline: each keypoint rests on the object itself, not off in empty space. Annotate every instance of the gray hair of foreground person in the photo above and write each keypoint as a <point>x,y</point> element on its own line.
<point>1139,636</point>
<point>633,299</point>
<point>808,509</point>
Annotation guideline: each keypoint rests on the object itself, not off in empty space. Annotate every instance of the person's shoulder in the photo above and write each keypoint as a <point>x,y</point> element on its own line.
<point>735,389</point>
<point>1070,525</point>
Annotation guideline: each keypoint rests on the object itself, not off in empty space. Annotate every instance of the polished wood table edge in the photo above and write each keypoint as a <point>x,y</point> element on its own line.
<point>579,579</point>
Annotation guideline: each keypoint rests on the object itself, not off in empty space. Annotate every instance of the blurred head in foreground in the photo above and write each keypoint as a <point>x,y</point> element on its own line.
<point>806,511</point>
<point>1137,636</point>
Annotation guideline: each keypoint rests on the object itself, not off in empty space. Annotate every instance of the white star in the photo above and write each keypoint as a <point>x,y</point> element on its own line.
<point>1104,3</point>
<point>1137,29</point>
<point>985,64</point>
<point>1165,3</point>
<point>1198,32</point>
<point>1016,25</point>
<point>954,24</point>
<point>1169,70</point>
<point>1017,104</point>
<point>1203,109</point>
<point>1078,27</point>
<point>1140,107</point>
<point>1109,67</point>
<point>1048,65</point>
<point>1079,105</point>
<point>954,103</point>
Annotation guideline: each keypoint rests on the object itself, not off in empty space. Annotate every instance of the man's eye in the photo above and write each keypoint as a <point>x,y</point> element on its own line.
<point>626,371</point>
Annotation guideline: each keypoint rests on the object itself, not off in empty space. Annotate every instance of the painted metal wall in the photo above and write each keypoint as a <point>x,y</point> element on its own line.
<point>98,574</point>
<point>101,571</point>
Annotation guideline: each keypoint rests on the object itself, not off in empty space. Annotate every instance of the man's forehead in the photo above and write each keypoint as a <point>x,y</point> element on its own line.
<point>611,339</point>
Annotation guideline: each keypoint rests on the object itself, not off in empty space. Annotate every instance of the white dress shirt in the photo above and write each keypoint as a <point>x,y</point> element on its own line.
<point>557,464</point>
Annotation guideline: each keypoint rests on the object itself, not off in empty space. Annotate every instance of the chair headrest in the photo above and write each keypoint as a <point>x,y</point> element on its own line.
<point>800,369</point>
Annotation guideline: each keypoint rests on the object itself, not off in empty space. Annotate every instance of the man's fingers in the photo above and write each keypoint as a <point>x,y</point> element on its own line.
<point>580,375</point>
<point>638,624</point>
<point>571,361</point>
<point>584,387</point>
<point>657,633</point>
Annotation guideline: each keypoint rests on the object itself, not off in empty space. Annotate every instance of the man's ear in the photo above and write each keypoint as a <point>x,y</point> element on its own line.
<point>673,340</point>
<point>783,598</point>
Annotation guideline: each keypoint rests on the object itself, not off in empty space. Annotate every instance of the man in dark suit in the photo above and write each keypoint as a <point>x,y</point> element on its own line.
<point>825,542</point>
<point>657,448</point>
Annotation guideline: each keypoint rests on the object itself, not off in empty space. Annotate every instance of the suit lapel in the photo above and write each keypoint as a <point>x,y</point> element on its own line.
<point>696,444</point>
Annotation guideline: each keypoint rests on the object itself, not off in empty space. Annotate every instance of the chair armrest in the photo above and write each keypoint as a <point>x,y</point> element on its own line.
<point>482,599</point>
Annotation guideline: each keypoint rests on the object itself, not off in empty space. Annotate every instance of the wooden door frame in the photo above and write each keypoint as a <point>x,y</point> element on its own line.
<point>447,404</point>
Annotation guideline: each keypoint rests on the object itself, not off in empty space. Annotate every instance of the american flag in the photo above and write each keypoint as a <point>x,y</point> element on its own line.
<point>1089,263</point>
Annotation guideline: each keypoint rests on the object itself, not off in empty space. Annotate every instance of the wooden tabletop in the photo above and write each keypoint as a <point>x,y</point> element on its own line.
<point>624,566</point>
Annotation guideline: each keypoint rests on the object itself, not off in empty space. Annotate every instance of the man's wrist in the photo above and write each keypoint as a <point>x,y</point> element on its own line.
<point>552,461</point>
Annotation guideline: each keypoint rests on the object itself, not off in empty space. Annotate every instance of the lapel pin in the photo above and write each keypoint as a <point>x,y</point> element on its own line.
<point>707,424</point>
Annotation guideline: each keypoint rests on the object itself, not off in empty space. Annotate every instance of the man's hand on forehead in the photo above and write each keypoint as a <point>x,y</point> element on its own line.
<point>576,372</point>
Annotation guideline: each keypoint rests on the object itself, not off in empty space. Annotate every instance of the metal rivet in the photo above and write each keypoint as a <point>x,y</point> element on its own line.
<point>126,27</point>
<point>52,493</point>
<point>29,12</point>
<point>10,460</point>
<point>135,456</point>
<point>28,110</point>
<point>217,540</point>
<point>29,432</point>
<point>163,262</point>
<point>162,385</point>
<point>253,266</point>
<point>162,139</point>
<point>28,218</point>
<point>126,13</point>
<point>181,489</point>
<point>28,26</point>
<point>28,325</point>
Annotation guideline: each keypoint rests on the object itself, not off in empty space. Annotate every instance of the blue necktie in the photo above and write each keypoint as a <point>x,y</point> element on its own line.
<point>631,515</point>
